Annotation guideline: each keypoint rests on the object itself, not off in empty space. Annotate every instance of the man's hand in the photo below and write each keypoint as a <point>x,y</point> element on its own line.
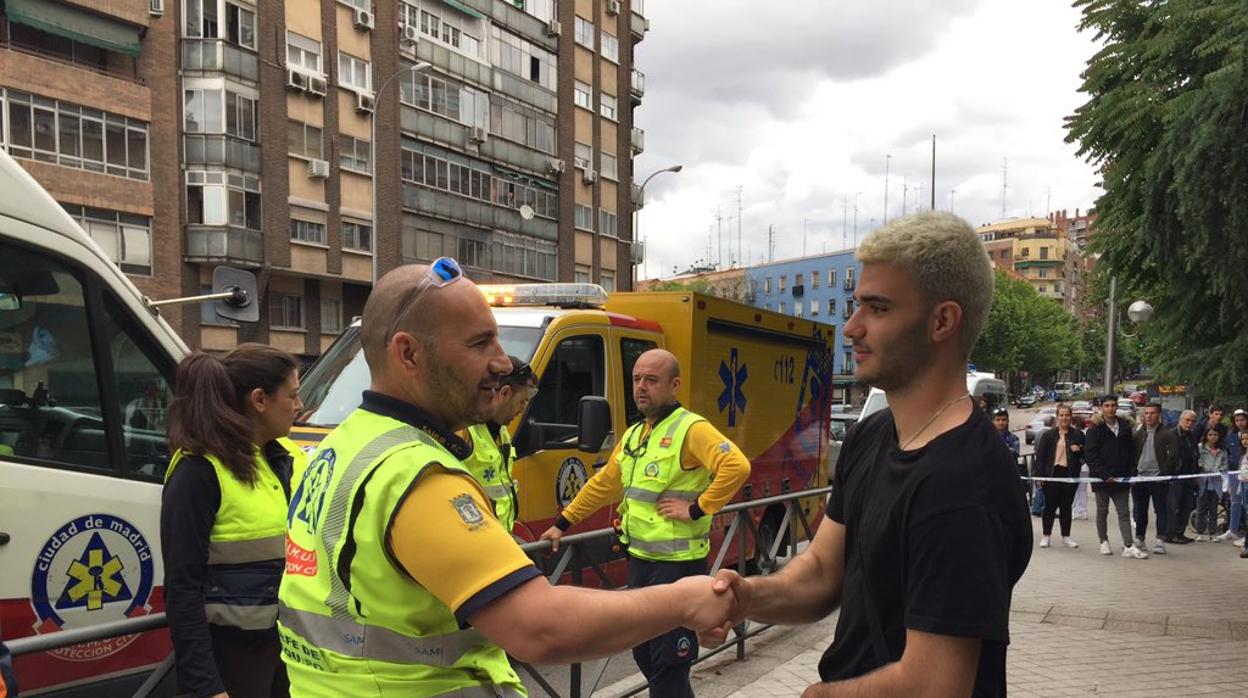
<point>709,604</point>
<point>552,534</point>
<point>674,509</point>
<point>815,690</point>
<point>728,580</point>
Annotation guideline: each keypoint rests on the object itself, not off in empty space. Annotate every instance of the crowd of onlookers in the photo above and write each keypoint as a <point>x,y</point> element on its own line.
<point>1111,448</point>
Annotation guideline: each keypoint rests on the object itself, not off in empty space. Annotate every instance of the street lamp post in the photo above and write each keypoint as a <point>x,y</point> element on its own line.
<point>641,196</point>
<point>414,68</point>
<point>1139,313</point>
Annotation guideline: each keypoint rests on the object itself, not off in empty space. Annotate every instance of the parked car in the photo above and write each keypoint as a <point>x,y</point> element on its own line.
<point>1064,390</point>
<point>1081,413</point>
<point>1139,398</point>
<point>1026,400</point>
<point>1126,408</point>
<point>1038,390</point>
<point>839,424</point>
<point>1046,419</point>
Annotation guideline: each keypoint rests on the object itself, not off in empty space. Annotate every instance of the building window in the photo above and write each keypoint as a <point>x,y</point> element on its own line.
<point>610,47</point>
<point>797,308</point>
<point>831,277</point>
<point>814,279</point>
<point>606,280</point>
<point>608,165</point>
<point>445,97</point>
<point>582,273</point>
<point>849,278</point>
<point>583,95</point>
<point>584,217</point>
<point>418,164</point>
<point>522,124</point>
<point>303,54</point>
<point>784,282</point>
<point>1044,273</point>
<point>285,312</point>
<point>797,280</point>
<point>609,223</point>
<point>456,30</point>
<point>814,302</point>
<point>585,33</point>
<point>831,306</point>
<point>514,55</point>
<point>331,315</point>
<point>582,155</point>
<point>848,312</point>
<point>1044,253</point>
<point>607,105</point>
<point>767,285</point>
<point>125,238</point>
<point>353,73</point>
<point>307,231</point>
<point>782,308</point>
<point>353,154</point>
<point>521,255</point>
<point>218,198</point>
<point>541,9</point>
<point>69,135</point>
<point>219,110</point>
<point>304,140</point>
<point>202,20</point>
<point>357,236</point>
<point>847,362</point>
<point>1024,252</point>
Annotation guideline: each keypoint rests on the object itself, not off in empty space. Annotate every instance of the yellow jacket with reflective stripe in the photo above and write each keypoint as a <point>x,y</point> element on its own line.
<point>352,622</point>
<point>655,473</point>
<point>245,547</point>
<point>490,463</point>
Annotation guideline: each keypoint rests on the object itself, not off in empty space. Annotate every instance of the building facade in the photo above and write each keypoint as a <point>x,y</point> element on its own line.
<point>319,143</point>
<point>1041,253</point>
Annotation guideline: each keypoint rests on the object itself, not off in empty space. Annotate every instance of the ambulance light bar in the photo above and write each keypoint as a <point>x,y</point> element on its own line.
<point>560,295</point>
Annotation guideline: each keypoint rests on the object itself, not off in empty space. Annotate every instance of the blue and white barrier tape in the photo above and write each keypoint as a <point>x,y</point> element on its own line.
<point>1139,478</point>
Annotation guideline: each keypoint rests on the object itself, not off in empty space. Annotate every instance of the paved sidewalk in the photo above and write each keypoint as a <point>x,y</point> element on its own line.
<point>1082,624</point>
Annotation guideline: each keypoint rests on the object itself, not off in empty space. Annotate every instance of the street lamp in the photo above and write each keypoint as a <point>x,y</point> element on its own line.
<point>414,68</point>
<point>641,196</point>
<point>1139,313</point>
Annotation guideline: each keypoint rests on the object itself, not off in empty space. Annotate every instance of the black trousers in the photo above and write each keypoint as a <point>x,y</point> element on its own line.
<point>250,663</point>
<point>1158,493</point>
<point>665,660</point>
<point>1058,497</point>
<point>1180,502</point>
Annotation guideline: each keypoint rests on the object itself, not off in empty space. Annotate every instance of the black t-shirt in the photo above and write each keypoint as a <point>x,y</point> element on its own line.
<point>944,533</point>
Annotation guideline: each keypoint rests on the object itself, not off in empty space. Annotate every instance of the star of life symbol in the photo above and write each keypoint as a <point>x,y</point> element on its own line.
<point>489,473</point>
<point>94,578</point>
<point>733,395</point>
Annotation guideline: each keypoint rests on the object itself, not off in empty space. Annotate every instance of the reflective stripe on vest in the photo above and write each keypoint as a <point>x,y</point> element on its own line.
<point>245,617</point>
<point>379,643</point>
<point>662,547</point>
<point>652,497</point>
<point>235,552</point>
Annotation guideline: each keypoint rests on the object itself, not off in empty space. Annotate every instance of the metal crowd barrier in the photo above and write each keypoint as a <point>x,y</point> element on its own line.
<point>741,531</point>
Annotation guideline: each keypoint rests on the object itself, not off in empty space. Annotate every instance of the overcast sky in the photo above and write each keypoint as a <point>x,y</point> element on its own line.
<point>800,101</point>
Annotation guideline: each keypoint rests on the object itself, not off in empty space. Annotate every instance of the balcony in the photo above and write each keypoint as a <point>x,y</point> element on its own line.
<point>638,24</point>
<point>205,243</point>
<point>638,86</point>
<point>848,285</point>
<point>221,150</point>
<point>638,141</point>
<point>215,55</point>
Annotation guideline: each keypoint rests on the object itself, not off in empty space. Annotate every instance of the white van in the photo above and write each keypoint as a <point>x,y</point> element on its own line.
<point>978,383</point>
<point>86,367</point>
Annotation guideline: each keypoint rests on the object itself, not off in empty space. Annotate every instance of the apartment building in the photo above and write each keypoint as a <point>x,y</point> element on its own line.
<point>1041,253</point>
<point>320,143</point>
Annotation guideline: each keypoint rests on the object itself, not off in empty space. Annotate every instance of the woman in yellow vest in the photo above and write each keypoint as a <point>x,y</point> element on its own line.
<point>492,453</point>
<point>223,517</point>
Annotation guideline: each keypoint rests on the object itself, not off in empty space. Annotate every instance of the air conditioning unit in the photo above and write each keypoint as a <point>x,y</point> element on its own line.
<point>363,20</point>
<point>613,7</point>
<point>479,134</point>
<point>554,28</point>
<point>557,166</point>
<point>590,176</point>
<point>407,33</point>
<point>318,169</point>
<point>317,85</point>
<point>363,102</point>
<point>296,80</point>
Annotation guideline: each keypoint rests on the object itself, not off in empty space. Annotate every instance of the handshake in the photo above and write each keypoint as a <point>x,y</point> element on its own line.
<point>715,604</point>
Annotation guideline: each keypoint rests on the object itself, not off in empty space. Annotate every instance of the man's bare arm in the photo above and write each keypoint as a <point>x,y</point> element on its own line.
<point>932,666</point>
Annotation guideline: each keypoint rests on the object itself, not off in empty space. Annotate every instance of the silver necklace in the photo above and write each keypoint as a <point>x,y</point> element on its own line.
<point>933,419</point>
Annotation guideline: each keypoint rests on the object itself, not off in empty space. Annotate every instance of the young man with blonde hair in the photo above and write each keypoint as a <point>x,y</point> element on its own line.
<point>927,529</point>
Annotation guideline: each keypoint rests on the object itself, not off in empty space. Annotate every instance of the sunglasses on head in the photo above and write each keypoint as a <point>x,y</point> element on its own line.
<point>1000,412</point>
<point>443,272</point>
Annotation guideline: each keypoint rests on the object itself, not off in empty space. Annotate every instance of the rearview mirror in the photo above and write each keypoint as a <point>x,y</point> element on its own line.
<point>593,423</point>
<point>9,300</point>
<point>244,305</point>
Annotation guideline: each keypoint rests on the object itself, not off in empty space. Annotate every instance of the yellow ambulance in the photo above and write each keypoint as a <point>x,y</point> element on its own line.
<point>762,378</point>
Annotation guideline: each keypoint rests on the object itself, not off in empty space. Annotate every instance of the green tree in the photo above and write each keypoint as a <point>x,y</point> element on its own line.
<point>1027,332</point>
<point>694,286</point>
<point>1166,123</point>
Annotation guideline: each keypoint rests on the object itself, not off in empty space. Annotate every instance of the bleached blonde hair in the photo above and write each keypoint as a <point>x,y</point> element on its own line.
<point>945,259</point>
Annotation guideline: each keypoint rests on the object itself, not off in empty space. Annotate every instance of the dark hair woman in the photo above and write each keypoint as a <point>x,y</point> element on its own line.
<point>1059,453</point>
<point>223,518</point>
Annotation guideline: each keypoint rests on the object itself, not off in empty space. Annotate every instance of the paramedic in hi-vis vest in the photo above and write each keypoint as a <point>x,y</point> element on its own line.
<point>399,579</point>
<point>492,453</point>
<point>674,471</point>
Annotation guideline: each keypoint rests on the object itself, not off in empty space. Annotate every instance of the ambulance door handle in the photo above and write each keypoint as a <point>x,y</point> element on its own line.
<point>4,538</point>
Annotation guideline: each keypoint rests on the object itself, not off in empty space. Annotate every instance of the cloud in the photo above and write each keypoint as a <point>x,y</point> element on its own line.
<point>801,103</point>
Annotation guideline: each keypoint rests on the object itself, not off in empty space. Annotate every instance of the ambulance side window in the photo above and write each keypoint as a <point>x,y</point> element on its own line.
<point>630,350</point>
<point>575,371</point>
<point>50,407</point>
<point>143,393</point>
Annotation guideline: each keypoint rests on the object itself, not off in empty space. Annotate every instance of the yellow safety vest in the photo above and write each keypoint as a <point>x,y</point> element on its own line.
<point>351,621</point>
<point>650,470</point>
<point>490,463</point>
<point>245,546</point>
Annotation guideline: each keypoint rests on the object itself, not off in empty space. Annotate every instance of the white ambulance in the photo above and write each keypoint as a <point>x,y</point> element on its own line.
<point>86,366</point>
